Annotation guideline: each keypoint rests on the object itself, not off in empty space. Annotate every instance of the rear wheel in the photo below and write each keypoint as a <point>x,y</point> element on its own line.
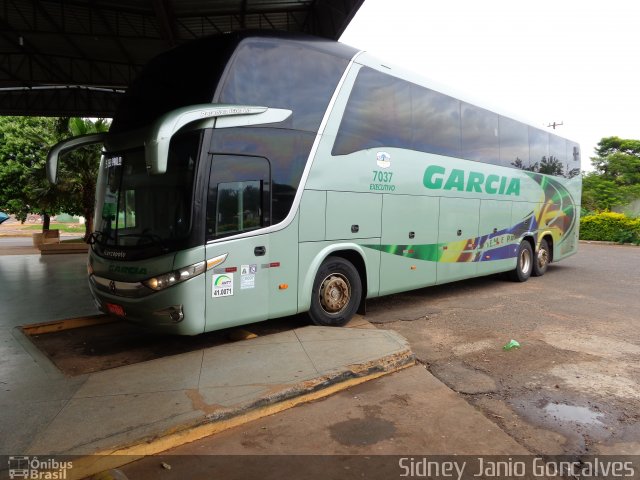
<point>337,290</point>
<point>542,260</point>
<point>524,267</point>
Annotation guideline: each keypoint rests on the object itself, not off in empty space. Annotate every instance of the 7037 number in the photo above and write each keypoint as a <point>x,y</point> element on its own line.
<point>382,177</point>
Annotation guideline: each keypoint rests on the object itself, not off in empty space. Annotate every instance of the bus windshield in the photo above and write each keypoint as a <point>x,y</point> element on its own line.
<point>139,211</point>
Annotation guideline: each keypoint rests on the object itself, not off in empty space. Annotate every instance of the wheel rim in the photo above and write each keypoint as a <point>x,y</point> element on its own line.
<point>543,258</point>
<point>335,293</point>
<point>525,260</point>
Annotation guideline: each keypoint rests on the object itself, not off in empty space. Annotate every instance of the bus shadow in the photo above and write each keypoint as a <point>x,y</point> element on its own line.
<point>95,348</point>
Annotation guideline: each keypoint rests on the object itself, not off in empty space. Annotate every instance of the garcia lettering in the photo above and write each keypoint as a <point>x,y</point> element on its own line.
<point>437,178</point>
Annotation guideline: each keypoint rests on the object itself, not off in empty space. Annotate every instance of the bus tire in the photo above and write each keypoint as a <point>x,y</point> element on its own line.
<point>336,294</point>
<point>524,264</point>
<point>542,259</point>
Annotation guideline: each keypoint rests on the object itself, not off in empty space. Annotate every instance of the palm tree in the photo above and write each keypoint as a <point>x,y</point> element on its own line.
<point>80,168</point>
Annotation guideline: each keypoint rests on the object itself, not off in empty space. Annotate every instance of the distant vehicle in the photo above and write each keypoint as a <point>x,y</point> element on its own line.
<point>3,217</point>
<point>251,176</point>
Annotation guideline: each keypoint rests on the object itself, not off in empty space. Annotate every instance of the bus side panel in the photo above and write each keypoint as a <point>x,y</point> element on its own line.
<point>312,216</point>
<point>562,217</point>
<point>569,245</point>
<point>408,223</point>
<point>495,216</point>
<point>353,215</point>
<point>283,271</point>
<point>521,212</point>
<point>457,232</point>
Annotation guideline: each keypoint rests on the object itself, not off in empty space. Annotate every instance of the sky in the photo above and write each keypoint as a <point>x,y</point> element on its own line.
<point>569,61</point>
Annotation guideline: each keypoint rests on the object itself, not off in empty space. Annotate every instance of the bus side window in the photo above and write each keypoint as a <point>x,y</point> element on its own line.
<point>479,139</point>
<point>378,114</point>
<point>239,196</point>
<point>514,144</point>
<point>385,111</point>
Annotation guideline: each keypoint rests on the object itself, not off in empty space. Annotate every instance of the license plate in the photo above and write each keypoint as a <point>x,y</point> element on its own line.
<point>115,309</point>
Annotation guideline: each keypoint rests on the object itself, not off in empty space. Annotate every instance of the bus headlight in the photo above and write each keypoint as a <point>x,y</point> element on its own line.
<point>160,282</point>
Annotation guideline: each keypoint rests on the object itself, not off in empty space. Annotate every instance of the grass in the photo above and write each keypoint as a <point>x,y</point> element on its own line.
<point>63,227</point>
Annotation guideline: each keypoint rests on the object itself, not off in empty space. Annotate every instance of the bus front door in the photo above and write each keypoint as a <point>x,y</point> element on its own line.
<point>238,204</point>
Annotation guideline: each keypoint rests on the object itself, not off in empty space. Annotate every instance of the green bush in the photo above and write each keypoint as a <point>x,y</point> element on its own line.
<point>611,227</point>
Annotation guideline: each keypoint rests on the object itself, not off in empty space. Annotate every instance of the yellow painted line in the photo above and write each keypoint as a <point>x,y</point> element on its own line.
<point>109,459</point>
<point>67,324</point>
<point>241,334</point>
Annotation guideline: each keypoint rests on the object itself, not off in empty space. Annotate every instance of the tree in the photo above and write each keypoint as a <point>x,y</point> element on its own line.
<point>78,170</point>
<point>24,143</point>
<point>24,189</point>
<point>616,179</point>
<point>601,194</point>
<point>618,160</point>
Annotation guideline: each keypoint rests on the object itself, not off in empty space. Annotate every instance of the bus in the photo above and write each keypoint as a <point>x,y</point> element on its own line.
<point>255,175</point>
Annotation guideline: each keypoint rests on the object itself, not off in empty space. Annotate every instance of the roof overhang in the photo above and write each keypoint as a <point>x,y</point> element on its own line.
<point>75,58</point>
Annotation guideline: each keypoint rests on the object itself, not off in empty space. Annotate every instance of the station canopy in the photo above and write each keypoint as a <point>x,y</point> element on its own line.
<point>77,57</point>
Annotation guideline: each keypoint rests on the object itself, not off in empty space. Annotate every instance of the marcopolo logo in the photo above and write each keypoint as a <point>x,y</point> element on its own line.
<point>437,177</point>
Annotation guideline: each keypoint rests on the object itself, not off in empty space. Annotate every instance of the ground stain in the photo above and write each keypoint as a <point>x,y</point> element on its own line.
<point>362,431</point>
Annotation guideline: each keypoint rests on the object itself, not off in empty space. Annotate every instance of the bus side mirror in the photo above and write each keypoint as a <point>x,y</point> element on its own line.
<point>64,146</point>
<point>156,147</point>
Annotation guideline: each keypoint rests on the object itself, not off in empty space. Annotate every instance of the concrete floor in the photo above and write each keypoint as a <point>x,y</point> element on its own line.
<point>135,405</point>
<point>35,289</point>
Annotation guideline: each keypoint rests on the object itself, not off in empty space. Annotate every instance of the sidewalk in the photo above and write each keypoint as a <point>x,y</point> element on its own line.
<point>190,395</point>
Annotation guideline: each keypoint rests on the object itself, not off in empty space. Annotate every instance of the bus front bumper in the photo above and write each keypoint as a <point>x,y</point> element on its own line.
<point>178,309</point>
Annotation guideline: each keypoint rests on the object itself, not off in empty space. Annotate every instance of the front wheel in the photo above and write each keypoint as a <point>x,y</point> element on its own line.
<point>337,290</point>
<point>542,260</point>
<point>524,267</point>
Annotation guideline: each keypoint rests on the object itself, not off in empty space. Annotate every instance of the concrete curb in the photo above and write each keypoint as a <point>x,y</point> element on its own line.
<point>63,248</point>
<point>602,242</point>
<point>15,234</point>
<point>67,324</point>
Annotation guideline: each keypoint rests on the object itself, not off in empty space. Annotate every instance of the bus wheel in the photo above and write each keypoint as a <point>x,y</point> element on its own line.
<point>542,260</point>
<point>337,289</point>
<point>523,269</point>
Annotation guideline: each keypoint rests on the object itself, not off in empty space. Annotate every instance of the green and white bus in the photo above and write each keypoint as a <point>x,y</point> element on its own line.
<point>255,175</point>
